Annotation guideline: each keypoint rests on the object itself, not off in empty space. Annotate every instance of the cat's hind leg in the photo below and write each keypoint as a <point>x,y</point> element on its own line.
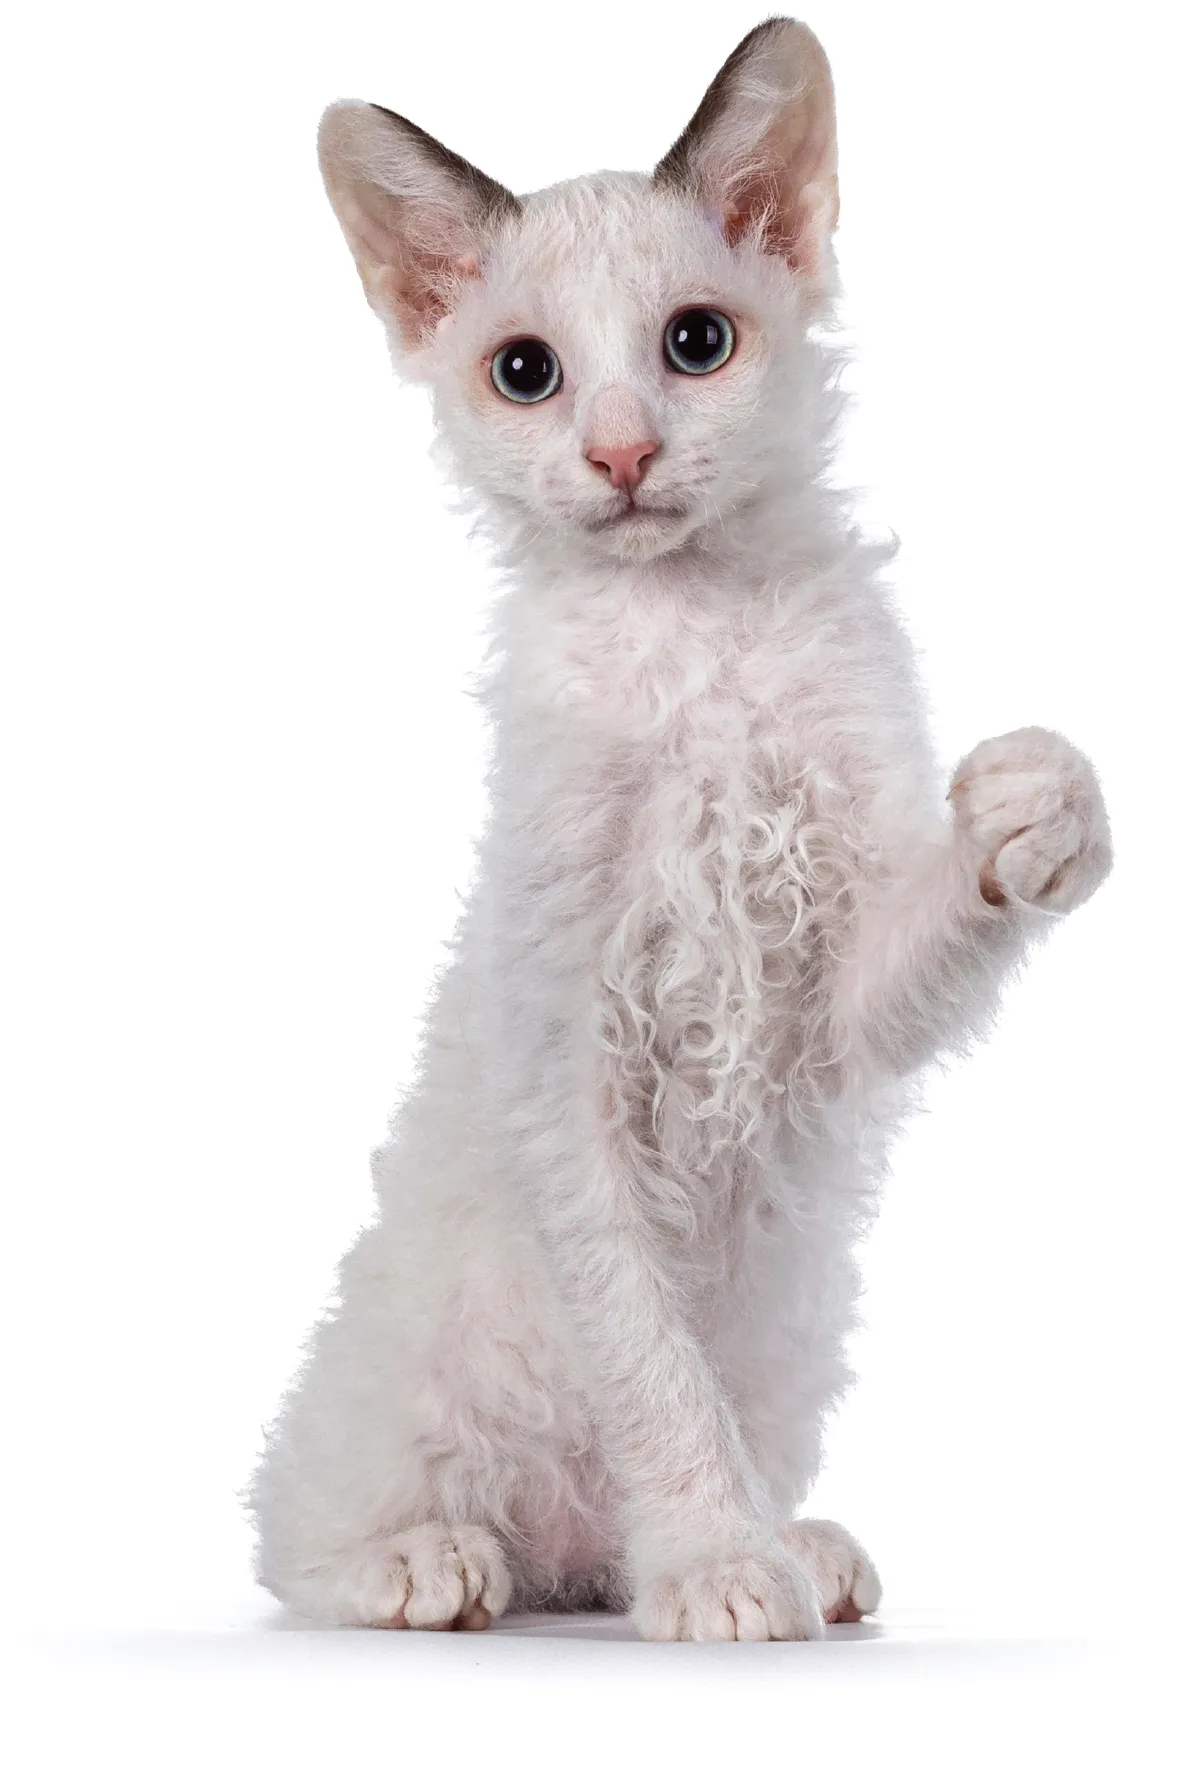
<point>428,1411</point>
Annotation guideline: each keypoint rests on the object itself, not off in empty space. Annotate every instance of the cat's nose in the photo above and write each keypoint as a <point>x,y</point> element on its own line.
<point>624,465</point>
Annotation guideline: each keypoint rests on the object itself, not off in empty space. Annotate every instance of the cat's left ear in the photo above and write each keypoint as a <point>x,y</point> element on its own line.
<point>416,216</point>
<point>761,152</point>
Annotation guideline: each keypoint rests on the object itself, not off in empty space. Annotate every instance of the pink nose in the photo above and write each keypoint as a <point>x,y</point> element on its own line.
<point>624,465</point>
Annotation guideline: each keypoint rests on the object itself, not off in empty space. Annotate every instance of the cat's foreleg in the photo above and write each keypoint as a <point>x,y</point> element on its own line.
<point>703,1557</point>
<point>1029,840</point>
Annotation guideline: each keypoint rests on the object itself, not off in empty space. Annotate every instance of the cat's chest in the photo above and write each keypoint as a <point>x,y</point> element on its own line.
<point>706,735</point>
<point>718,864</point>
<point>729,816</point>
<point>724,823</point>
<point>687,779</point>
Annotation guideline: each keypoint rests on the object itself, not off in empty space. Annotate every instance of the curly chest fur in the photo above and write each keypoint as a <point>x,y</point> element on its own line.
<point>700,826</point>
<point>713,959</point>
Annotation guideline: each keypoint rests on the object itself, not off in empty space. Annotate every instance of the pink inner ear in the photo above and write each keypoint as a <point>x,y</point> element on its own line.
<point>467,266</point>
<point>796,224</point>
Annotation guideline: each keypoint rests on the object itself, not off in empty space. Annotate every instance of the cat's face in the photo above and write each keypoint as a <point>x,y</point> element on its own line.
<point>617,361</point>
<point>617,372</point>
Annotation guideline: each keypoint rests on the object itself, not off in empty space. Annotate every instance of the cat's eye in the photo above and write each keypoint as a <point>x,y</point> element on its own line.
<point>698,341</point>
<point>526,371</point>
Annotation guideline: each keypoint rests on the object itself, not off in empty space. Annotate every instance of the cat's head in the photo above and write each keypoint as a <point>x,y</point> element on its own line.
<point>621,359</point>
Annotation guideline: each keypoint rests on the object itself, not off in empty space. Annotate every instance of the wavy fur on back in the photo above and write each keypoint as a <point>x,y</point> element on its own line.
<point>724,915</point>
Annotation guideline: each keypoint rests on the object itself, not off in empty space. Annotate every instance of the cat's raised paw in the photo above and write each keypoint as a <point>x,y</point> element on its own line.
<point>846,1578</point>
<point>746,1597</point>
<point>428,1578</point>
<point>1030,807</point>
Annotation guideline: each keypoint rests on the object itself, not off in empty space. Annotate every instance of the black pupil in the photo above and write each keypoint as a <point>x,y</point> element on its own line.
<point>696,336</point>
<point>527,366</point>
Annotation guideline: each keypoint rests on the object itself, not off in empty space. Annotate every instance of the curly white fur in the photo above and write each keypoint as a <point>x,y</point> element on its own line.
<point>723,916</point>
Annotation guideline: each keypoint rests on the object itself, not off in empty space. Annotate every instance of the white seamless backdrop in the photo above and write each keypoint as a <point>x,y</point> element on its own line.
<point>241,769</point>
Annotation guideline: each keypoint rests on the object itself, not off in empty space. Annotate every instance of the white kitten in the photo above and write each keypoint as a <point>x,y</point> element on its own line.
<point>722,915</point>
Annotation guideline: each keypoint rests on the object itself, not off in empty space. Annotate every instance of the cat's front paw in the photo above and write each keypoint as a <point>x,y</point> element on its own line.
<point>846,1578</point>
<point>1029,806</point>
<point>755,1596</point>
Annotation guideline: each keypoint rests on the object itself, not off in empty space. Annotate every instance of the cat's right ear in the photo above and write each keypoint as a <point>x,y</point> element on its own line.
<point>416,216</point>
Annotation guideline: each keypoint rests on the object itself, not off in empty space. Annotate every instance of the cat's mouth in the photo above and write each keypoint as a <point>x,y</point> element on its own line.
<point>637,513</point>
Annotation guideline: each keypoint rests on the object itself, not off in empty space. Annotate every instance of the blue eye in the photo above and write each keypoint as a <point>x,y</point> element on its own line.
<point>526,371</point>
<point>698,341</point>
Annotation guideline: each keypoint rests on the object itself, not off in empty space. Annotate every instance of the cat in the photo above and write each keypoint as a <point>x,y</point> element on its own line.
<point>723,915</point>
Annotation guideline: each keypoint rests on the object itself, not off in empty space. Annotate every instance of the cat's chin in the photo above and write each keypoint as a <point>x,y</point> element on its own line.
<point>641,533</point>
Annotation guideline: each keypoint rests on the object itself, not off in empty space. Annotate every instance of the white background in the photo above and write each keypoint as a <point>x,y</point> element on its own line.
<point>240,776</point>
